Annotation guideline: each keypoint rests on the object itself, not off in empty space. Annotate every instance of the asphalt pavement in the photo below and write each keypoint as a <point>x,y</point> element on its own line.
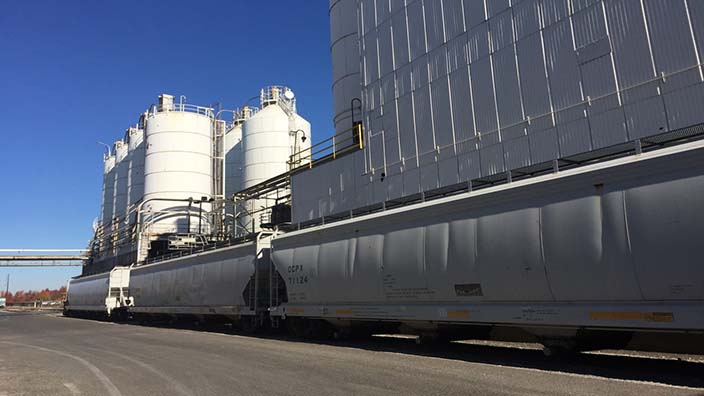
<point>47,354</point>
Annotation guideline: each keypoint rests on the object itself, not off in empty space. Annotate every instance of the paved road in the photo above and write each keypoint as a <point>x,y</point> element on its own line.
<point>45,354</point>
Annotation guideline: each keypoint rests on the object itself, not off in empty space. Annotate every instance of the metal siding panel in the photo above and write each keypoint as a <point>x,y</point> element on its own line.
<point>543,145</point>
<point>388,88</point>
<point>406,127</point>
<point>608,128</point>
<point>513,132</point>
<point>448,172</point>
<point>494,7</point>
<point>434,25</point>
<point>416,29</point>
<point>376,150</point>
<point>478,42</point>
<point>394,186</point>
<point>629,42</point>
<point>589,26</point>
<point>492,159</point>
<point>390,125</point>
<point>429,177</point>
<point>603,105</point>
<point>696,13</point>
<point>386,62</point>
<point>578,5</point>
<point>400,38</point>
<point>685,107</point>
<point>368,14</point>
<point>527,18</point>
<point>483,96</point>
<point>574,137</point>
<point>474,13</point>
<point>561,60</point>
<point>517,152</point>
<point>598,79</point>
<point>670,35</point>
<point>554,11</point>
<point>375,95</point>
<point>411,181</point>
<point>501,30</point>
<point>383,12</point>
<point>437,63</point>
<point>469,165</point>
<point>442,117</point>
<point>508,93</point>
<point>454,22</point>
<point>646,117</point>
<point>462,111</point>
<point>404,83</point>
<point>378,187</point>
<point>457,53</point>
<point>534,84</point>
<point>420,76</point>
<point>397,5</point>
<point>423,119</point>
<point>371,64</point>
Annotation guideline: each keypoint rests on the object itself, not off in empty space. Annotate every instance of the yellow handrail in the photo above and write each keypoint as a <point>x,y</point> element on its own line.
<point>332,146</point>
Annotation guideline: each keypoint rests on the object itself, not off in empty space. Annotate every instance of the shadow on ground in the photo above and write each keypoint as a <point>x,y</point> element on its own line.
<point>670,371</point>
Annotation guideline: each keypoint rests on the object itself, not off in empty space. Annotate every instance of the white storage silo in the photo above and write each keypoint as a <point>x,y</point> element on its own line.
<point>177,166</point>
<point>344,50</point>
<point>121,179</point>
<point>135,184</point>
<point>234,161</point>
<point>108,195</point>
<point>269,138</point>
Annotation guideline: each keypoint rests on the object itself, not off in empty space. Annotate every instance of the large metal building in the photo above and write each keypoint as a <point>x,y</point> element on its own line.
<point>459,90</point>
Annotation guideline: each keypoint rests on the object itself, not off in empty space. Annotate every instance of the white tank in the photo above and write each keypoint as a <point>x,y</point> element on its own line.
<point>108,193</point>
<point>121,179</point>
<point>344,50</point>
<point>135,184</point>
<point>234,162</point>
<point>269,138</point>
<point>177,165</point>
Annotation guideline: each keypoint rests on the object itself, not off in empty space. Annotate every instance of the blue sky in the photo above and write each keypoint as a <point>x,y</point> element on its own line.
<point>76,72</point>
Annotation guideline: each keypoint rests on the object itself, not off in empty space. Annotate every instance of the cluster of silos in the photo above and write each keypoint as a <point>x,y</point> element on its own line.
<point>261,145</point>
<point>161,178</point>
<point>123,183</point>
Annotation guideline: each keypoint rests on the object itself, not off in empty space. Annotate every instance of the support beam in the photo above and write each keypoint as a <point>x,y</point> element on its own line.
<point>42,263</point>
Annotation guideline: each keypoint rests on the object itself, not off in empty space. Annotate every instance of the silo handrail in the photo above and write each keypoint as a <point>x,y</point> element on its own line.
<point>181,107</point>
<point>338,144</point>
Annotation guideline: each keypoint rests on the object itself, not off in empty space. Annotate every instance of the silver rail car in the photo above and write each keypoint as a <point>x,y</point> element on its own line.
<point>606,255</point>
<point>216,284</point>
<point>229,284</point>
<point>102,295</point>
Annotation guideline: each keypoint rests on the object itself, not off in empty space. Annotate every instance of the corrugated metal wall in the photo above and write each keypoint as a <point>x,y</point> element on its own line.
<point>455,90</point>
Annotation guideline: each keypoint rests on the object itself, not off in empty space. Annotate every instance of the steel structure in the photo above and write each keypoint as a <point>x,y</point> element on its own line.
<point>22,259</point>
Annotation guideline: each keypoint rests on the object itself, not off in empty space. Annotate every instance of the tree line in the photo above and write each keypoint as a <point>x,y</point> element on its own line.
<point>21,296</point>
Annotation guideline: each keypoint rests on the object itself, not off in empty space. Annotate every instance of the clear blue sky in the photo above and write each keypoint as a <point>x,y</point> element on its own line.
<point>76,72</point>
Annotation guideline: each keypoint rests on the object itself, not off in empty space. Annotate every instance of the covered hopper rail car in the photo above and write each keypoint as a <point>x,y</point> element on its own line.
<point>606,259</point>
